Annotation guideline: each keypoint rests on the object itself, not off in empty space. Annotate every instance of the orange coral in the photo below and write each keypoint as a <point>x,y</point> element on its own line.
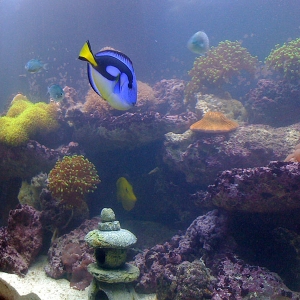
<point>71,178</point>
<point>214,122</point>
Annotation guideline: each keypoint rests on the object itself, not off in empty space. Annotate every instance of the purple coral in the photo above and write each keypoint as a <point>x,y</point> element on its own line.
<point>21,240</point>
<point>188,280</point>
<point>275,103</point>
<point>160,261</point>
<point>236,280</point>
<point>274,188</point>
<point>170,94</point>
<point>69,255</point>
<point>200,157</point>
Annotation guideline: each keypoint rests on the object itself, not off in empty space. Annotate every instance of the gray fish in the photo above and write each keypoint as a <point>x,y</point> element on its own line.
<point>35,65</point>
<point>199,43</point>
<point>56,92</point>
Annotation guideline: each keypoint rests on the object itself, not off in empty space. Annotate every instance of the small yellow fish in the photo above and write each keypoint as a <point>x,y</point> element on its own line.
<point>125,194</point>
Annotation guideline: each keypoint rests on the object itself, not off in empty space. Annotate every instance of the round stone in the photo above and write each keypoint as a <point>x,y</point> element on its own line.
<point>107,215</point>
<point>110,239</point>
<point>127,273</point>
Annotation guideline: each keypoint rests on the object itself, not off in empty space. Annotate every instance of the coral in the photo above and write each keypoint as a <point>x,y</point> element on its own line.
<point>202,236</point>
<point>193,281</point>
<point>238,280</point>
<point>202,264</point>
<point>71,178</point>
<point>146,95</point>
<point>149,99</point>
<point>30,192</point>
<point>275,103</point>
<point>59,219</point>
<point>286,60</point>
<point>270,189</point>
<point>26,161</point>
<point>18,105</point>
<point>21,240</point>
<point>39,181</point>
<point>169,94</point>
<point>214,122</point>
<point>69,255</point>
<point>218,67</point>
<point>129,130</point>
<point>231,108</point>
<point>29,195</point>
<point>24,120</point>
<point>95,126</point>
<point>95,105</point>
<point>295,156</point>
<point>200,156</point>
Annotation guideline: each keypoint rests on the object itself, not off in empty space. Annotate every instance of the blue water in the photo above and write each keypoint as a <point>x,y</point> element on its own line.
<point>153,33</point>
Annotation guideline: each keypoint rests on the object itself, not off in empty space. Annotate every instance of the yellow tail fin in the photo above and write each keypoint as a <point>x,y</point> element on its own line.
<point>87,54</point>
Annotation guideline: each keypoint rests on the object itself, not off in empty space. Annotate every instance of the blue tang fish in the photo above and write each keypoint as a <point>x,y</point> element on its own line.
<point>56,92</point>
<point>111,75</point>
<point>199,43</point>
<point>35,65</point>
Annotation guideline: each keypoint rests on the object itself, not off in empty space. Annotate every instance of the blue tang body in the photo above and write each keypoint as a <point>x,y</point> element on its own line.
<point>56,92</point>
<point>199,43</point>
<point>112,76</point>
<point>35,65</point>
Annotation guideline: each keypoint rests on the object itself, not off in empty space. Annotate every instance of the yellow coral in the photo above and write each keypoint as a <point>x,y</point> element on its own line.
<point>25,119</point>
<point>11,133</point>
<point>18,105</point>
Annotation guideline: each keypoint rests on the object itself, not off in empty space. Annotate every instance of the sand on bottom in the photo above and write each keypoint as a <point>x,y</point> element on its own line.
<point>37,283</point>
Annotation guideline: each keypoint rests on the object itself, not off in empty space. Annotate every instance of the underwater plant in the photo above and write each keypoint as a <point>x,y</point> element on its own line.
<point>218,67</point>
<point>286,60</point>
<point>72,178</point>
<point>24,120</point>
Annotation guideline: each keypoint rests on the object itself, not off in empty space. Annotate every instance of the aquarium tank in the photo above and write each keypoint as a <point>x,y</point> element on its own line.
<point>150,149</point>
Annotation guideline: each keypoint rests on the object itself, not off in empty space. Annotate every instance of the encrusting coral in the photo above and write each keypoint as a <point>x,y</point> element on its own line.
<point>21,240</point>
<point>268,101</point>
<point>71,178</point>
<point>69,256</point>
<point>214,122</point>
<point>24,120</point>
<point>286,59</point>
<point>218,67</point>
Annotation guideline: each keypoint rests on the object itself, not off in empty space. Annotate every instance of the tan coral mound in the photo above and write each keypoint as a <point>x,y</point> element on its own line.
<point>214,122</point>
<point>295,156</point>
<point>95,104</point>
<point>145,93</point>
